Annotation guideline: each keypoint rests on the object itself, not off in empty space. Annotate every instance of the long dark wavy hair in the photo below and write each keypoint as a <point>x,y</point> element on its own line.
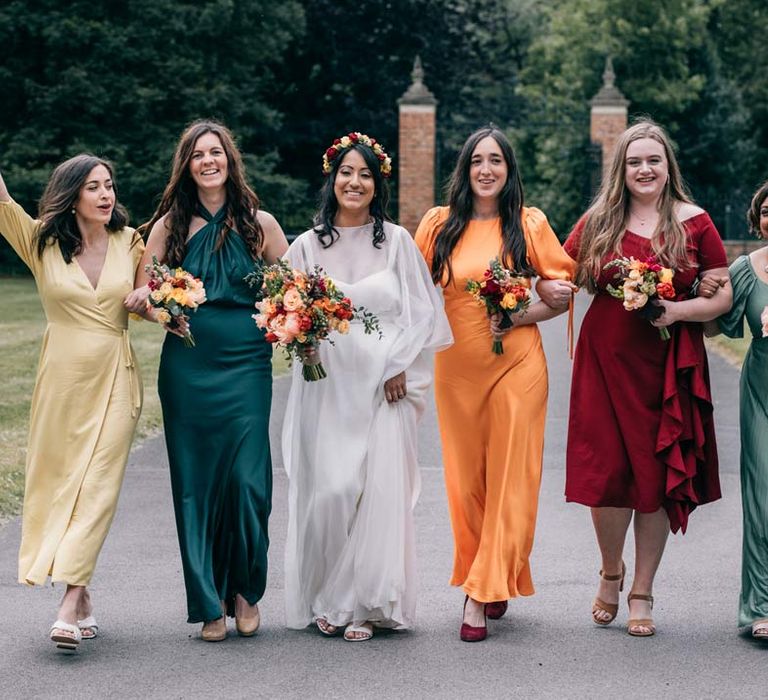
<point>328,206</point>
<point>753,213</point>
<point>180,200</point>
<point>460,199</point>
<point>56,206</point>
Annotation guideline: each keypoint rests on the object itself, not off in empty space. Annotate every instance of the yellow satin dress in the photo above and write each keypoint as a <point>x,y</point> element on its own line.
<point>85,405</point>
<point>491,410</point>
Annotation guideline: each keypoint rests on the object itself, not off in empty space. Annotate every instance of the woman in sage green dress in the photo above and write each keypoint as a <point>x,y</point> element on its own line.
<point>216,396</point>
<point>749,276</point>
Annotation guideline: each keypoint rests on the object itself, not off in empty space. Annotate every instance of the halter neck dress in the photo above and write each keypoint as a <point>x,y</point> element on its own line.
<point>216,400</point>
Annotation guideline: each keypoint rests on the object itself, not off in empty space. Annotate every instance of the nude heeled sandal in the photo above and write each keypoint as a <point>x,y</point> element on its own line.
<point>641,622</point>
<point>599,605</point>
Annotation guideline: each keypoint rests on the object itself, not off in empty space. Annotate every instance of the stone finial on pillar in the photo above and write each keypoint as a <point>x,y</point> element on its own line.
<point>416,150</point>
<point>608,116</point>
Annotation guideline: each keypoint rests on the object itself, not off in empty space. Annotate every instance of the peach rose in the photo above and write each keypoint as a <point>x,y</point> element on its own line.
<point>292,300</point>
<point>163,317</point>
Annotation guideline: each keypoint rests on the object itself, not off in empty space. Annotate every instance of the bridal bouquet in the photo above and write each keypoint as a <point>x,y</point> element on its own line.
<point>640,282</point>
<point>173,292</point>
<point>502,292</point>
<point>764,321</point>
<point>298,310</point>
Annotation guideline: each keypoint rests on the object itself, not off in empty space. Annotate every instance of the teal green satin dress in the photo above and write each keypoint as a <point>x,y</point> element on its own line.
<point>216,400</point>
<point>750,297</point>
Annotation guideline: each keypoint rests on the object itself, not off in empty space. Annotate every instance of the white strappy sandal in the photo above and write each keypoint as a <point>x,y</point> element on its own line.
<point>63,640</point>
<point>365,631</point>
<point>89,628</point>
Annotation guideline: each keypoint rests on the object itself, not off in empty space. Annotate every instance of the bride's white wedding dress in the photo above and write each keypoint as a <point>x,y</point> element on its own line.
<point>350,456</point>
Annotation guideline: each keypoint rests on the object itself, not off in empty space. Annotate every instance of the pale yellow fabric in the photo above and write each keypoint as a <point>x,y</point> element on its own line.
<point>85,405</point>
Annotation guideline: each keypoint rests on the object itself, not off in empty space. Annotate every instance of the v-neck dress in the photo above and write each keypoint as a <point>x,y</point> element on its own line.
<point>85,405</point>
<point>750,298</point>
<point>216,400</point>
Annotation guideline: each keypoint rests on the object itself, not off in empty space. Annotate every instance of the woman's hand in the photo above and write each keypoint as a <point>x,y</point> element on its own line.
<point>394,388</point>
<point>555,293</point>
<point>180,325</point>
<point>669,315</point>
<point>136,301</point>
<point>496,330</point>
<point>710,282</point>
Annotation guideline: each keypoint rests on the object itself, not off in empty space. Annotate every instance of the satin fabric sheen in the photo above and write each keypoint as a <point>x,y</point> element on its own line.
<point>216,401</point>
<point>750,297</point>
<point>85,405</point>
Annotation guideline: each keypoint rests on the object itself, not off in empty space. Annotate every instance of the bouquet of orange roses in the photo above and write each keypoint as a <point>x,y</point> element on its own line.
<point>502,292</point>
<point>640,282</point>
<point>298,310</point>
<point>173,291</point>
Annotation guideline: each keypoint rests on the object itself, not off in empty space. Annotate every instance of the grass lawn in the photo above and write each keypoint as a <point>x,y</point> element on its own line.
<point>21,328</point>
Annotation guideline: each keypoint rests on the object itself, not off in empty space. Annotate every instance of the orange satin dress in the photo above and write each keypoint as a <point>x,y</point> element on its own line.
<point>491,410</point>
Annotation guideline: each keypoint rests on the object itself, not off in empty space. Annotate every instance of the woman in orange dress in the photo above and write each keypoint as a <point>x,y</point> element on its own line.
<point>491,408</point>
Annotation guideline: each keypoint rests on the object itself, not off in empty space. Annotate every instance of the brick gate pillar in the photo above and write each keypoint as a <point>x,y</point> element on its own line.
<point>608,116</point>
<point>416,150</point>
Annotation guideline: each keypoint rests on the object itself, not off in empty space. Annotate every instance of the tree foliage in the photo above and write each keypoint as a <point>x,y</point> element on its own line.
<point>123,79</point>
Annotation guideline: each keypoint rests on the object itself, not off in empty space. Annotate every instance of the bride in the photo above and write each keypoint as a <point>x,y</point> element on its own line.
<point>349,441</point>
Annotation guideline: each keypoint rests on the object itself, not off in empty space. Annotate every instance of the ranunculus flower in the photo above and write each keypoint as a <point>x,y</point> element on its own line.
<point>665,290</point>
<point>166,288</point>
<point>343,327</point>
<point>666,275</point>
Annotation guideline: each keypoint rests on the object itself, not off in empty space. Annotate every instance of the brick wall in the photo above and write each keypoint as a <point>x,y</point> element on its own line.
<point>416,164</point>
<point>733,249</point>
<point>605,126</point>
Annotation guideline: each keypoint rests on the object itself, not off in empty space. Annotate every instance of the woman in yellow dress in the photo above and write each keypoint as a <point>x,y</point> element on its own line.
<point>493,470</point>
<point>88,392</point>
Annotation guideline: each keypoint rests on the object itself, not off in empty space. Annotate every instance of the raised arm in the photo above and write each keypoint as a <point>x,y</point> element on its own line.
<point>4,196</point>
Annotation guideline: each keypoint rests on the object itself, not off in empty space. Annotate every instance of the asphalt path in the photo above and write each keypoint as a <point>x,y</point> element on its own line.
<point>545,647</point>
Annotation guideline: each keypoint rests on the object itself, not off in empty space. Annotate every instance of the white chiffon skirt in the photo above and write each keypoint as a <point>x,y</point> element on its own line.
<point>351,459</point>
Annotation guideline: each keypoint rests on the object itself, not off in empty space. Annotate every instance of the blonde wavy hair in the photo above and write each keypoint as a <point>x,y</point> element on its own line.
<point>607,217</point>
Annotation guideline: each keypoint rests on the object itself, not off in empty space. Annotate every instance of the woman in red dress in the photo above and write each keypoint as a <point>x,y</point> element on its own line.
<point>641,442</point>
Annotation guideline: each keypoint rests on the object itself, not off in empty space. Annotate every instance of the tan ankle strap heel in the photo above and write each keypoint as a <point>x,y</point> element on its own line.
<point>634,623</point>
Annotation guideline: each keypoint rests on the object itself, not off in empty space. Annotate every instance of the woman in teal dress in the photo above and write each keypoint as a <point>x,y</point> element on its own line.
<point>749,276</point>
<point>216,396</point>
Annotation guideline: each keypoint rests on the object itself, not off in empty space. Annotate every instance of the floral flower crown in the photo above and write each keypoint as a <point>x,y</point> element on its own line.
<point>352,138</point>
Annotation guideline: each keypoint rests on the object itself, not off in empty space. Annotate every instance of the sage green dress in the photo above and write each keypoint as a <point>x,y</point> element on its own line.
<point>750,297</point>
<point>216,399</point>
